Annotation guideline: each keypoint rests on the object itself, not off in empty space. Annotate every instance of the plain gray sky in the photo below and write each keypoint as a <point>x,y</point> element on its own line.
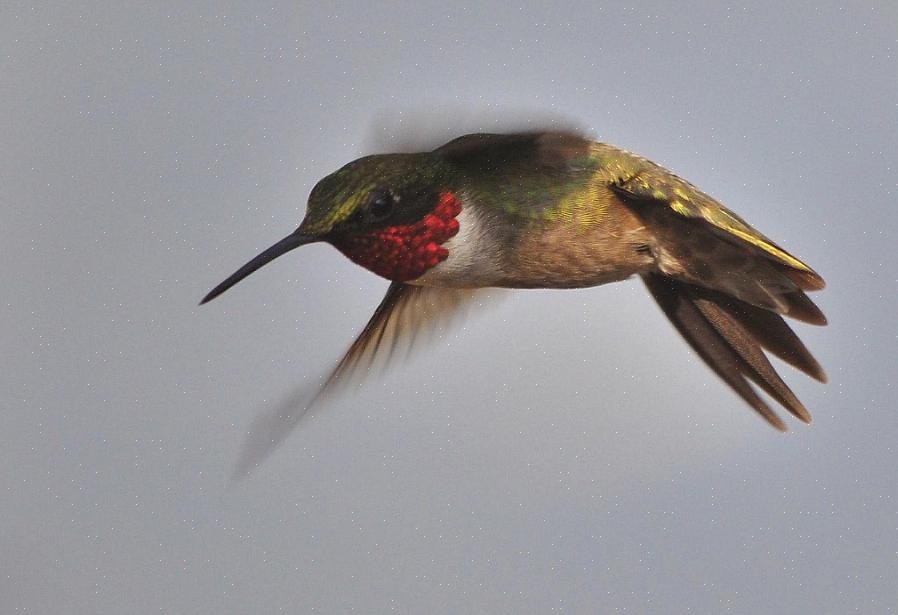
<point>563,451</point>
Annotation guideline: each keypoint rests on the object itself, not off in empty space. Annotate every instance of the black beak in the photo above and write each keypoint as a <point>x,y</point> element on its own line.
<point>282,247</point>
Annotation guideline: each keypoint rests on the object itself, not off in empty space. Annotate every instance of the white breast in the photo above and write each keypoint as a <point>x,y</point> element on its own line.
<point>474,258</point>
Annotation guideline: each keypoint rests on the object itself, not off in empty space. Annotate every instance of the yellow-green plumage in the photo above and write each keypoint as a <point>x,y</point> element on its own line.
<point>646,180</point>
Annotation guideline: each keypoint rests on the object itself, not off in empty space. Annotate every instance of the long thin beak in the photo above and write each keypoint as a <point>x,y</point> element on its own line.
<point>282,247</point>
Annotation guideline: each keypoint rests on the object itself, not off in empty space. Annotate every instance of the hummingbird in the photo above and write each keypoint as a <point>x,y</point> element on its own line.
<point>558,210</point>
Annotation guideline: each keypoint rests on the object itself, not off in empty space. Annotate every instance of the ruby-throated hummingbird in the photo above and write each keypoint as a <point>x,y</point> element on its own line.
<point>557,210</point>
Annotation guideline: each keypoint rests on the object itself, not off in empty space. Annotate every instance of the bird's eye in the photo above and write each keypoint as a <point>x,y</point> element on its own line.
<point>381,205</point>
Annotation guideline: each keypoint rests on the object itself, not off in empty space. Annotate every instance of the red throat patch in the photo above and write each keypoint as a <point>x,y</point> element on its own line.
<point>406,251</point>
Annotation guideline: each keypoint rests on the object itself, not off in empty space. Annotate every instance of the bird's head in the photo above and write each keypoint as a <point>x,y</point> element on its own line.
<point>389,213</point>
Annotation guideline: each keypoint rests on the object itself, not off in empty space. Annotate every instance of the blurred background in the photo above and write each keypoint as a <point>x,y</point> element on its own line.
<point>563,451</point>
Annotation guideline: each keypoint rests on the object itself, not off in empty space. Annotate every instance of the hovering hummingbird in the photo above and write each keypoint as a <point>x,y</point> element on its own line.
<point>557,210</point>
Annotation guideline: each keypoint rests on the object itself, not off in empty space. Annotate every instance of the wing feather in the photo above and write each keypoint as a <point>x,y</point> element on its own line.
<point>404,313</point>
<point>648,182</point>
<point>395,328</point>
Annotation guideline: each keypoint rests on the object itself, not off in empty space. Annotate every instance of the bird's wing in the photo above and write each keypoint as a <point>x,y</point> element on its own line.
<point>702,242</point>
<point>405,315</point>
<point>724,285</point>
<point>647,182</point>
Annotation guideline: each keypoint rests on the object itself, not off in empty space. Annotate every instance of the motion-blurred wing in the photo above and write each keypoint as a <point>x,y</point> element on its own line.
<point>406,314</point>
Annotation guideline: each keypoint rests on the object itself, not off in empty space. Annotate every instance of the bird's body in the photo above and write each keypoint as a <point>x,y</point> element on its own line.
<point>556,210</point>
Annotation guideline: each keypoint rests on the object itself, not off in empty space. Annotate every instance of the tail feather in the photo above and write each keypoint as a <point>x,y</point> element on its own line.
<point>803,309</point>
<point>774,335</point>
<point>730,335</point>
<point>755,365</point>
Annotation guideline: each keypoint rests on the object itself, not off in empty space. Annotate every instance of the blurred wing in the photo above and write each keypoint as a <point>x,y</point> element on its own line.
<point>406,314</point>
<point>417,129</point>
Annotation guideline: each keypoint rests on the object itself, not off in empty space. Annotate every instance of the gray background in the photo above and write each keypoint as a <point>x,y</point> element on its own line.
<point>562,451</point>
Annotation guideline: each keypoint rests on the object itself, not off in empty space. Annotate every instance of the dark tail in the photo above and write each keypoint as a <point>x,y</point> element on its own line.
<point>731,336</point>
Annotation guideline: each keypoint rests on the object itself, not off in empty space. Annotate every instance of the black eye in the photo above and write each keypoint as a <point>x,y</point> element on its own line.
<point>381,205</point>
